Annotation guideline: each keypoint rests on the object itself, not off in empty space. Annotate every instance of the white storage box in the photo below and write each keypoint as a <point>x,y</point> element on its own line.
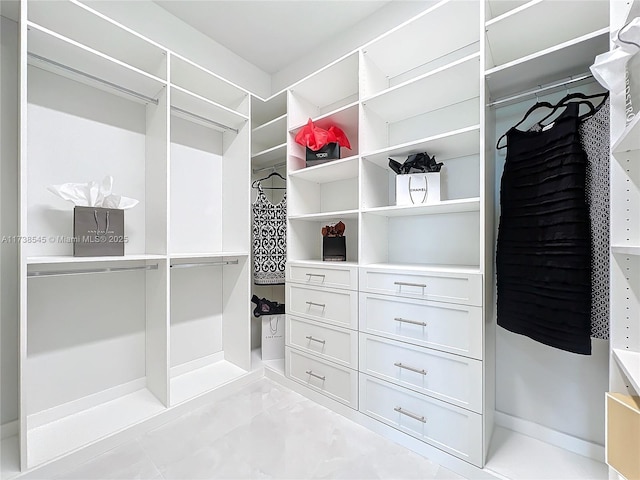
<point>272,337</point>
<point>418,188</point>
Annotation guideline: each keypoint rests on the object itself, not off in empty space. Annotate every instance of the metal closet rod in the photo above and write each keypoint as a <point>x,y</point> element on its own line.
<point>86,271</point>
<point>540,89</point>
<point>271,167</point>
<point>115,86</point>
<point>204,119</point>
<point>204,264</point>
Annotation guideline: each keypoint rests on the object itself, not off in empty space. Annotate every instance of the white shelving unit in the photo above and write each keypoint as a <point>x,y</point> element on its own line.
<point>110,342</point>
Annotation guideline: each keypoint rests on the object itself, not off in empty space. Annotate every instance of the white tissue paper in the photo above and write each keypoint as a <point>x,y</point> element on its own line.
<point>609,68</point>
<point>93,194</point>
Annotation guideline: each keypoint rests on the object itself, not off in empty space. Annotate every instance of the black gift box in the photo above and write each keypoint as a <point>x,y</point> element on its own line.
<point>98,232</point>
<point>334,249</point>
<point>331,151</point>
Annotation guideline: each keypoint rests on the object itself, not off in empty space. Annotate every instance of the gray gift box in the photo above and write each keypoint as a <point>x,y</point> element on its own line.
<point>98,232</point>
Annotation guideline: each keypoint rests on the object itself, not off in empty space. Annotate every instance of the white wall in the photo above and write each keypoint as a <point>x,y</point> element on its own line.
<point>8,220</point>
<point>386,18</point>
<point>550,387</point>
<point>155,23</point>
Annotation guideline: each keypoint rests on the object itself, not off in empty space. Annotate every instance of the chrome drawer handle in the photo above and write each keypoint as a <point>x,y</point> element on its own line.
<point>409,414</point>
<point>412,322</point>
<point>311,339</point>
<point>407,284</point>
<point>315,275</point>
<point>413,369</point>
<point>321,305</point>
<point>310,372</point>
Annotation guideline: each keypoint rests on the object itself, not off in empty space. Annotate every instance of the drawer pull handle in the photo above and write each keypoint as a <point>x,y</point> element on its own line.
<point>407,284</point>
<point>310,372</point>
<point>321,305</point>
<point>311,339</point>
<point>412,322</point>
<point>413,369</point>
<point>409,414</point>
<point>315,275</point>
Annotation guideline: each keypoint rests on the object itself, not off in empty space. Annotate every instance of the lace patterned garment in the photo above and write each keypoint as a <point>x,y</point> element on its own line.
<point>269,239</point>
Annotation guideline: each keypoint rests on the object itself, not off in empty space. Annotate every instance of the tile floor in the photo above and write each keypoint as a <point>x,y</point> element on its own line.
<point>263,431</point>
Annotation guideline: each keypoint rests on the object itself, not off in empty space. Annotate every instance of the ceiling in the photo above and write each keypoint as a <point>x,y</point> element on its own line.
<point>271,34</point>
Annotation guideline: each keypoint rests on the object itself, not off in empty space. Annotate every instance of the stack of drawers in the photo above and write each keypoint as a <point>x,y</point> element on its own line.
<point>321,337</point>
<point>421,355</point>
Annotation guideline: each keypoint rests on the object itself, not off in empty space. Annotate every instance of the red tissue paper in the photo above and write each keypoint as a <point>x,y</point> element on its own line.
<point>315,137</point>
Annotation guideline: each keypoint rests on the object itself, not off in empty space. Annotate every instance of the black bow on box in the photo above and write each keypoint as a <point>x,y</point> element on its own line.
<point>416,163</point>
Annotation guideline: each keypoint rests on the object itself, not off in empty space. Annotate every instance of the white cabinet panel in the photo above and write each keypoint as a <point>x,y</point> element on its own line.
<point>450,428</point>
<point>325,276</point>
<point>336,344</point>
<point>452,378</point>
<point>447,327</point>
<point>338,307</point>
<point>335,381</point>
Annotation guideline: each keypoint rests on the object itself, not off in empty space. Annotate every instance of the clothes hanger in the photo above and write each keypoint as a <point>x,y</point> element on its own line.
<point>257,184</point>
<point>584,100</point>
<point>534,107</point>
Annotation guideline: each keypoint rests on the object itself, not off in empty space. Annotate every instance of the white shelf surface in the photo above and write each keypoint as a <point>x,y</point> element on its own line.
<point>343,116</point>
<point>88,27</point>
<point>329,172</point>
<point>326,216</point>
<point>197,255</point>
<point>561,61</point>
<point>542,24</point>
<point>264,111</point>
<point>630,138</point>
<point>402,49</point>
<point>193,78</point>
<point>270,156</point>
<point>72,432</point>
<point>630,363</point>
<point>455,144</point>
<point>447,206</point>
<point>495,8</point>
<point>275,127</point>
<point>422,267</point>
<point>197,382</point>
<point>58,259</point>
<point>203,107</point>
<point>321,263</point>
<point>70,54</point>
<point>626,249</point>
<point>453,83</point>
<point>341,75</point>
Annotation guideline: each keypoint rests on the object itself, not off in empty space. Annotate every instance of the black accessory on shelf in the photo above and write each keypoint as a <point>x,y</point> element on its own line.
<point>266,307</point>
<point>416,163</point>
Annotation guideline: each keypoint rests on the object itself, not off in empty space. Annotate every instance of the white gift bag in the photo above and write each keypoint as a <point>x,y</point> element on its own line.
<point>272,337</point>
<point>418,188</point>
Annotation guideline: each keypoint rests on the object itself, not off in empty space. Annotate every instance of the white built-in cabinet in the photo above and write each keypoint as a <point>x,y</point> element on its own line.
<point>417,287</point>
<point>109,342</point>
<point>623,400</point>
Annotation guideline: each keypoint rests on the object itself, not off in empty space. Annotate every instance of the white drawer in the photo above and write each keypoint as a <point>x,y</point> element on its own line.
<point>452,378</point>
<point>443,326</point>
<point>335,381</point>
<point>450,428</point>
<point>338,276</point>
<point>465,288</point>
<point>336,344</point>
<point>330,305</point>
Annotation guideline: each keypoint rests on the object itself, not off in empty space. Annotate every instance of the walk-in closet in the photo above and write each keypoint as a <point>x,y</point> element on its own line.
<point>485,317</point>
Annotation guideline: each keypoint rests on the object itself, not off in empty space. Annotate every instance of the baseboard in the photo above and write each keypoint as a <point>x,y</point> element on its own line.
<point>553,437</point>
<point>9,429</point>
<point>195,364</point>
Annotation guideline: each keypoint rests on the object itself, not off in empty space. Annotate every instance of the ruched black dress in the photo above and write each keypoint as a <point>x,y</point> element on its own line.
<point>543,262</point>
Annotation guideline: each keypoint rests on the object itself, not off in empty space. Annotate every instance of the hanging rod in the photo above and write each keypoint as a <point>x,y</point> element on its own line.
<point>541,89</point>
<point>271,167</point>
<point>86,271</point>
<point>204,264</point>
<point>115,86</point>
<point>203,119</point>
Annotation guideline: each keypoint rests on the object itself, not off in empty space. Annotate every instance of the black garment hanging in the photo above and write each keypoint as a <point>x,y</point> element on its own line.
<point>543,261</point>
<point>269,234</point>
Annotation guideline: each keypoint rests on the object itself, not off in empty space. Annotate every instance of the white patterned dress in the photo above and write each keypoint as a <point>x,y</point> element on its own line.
<point>269,239</point>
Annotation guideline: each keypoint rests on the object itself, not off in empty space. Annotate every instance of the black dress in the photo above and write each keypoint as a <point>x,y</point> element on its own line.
<point>543,262</point>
